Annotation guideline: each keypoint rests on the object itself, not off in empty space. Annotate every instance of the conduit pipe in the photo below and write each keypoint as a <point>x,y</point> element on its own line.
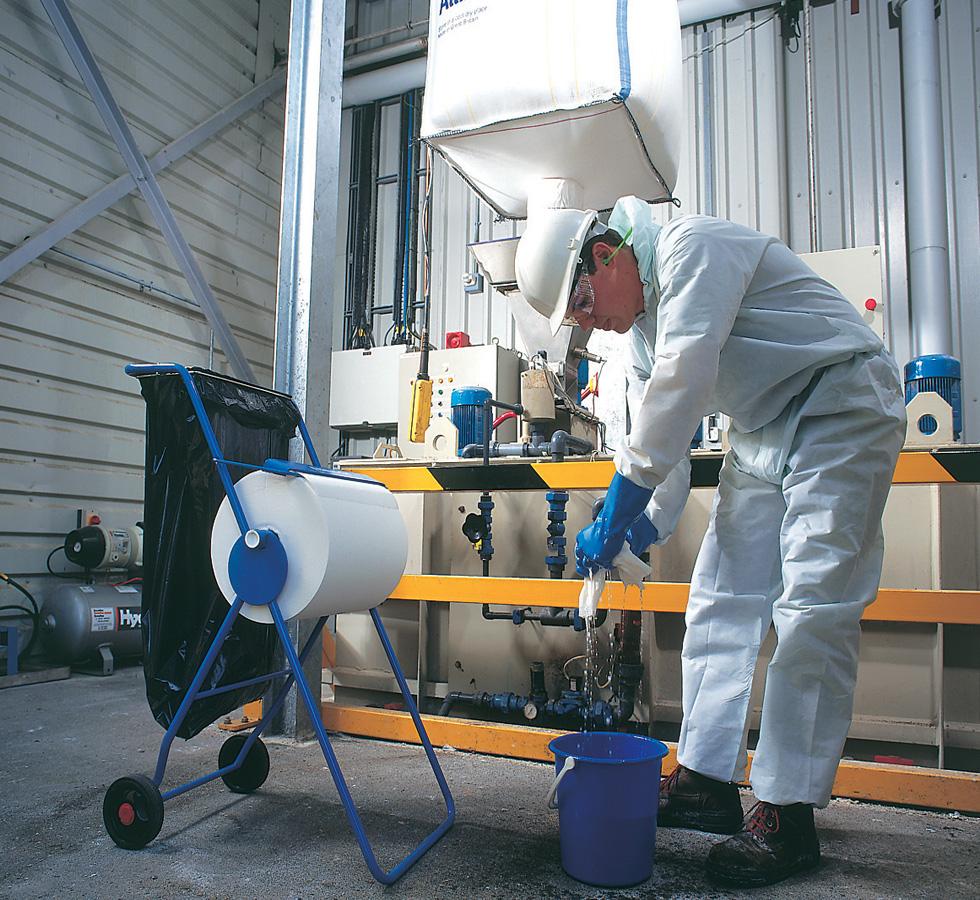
<point>925,171</point>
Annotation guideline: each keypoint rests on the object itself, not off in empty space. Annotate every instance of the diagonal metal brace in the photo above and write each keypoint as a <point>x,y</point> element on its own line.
<point>139,168</point>
<point>69,222</point>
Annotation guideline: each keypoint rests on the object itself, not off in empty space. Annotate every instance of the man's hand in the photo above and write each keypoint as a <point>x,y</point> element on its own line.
<point>641,535</point>
<point>599,543</point>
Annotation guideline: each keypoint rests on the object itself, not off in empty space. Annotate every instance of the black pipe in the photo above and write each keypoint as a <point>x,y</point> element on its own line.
<point>628,670</point>
<point>564,618</point>
<point>492,616</point>
<point>488,406</point>
<point>539,691</point>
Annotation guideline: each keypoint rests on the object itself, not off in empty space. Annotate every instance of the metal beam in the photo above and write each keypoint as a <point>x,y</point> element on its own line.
<point>307,246</point>
<point>947,607</point>
<point>881,783</point>
<point>139,168</point>
<point>69,222</point>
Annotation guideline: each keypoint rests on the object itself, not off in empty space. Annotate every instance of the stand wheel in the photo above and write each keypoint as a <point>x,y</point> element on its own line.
<point>132,811</point>
<point>254,768</point>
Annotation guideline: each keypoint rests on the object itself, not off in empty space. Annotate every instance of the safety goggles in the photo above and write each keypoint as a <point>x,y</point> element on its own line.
<point>581,302</point>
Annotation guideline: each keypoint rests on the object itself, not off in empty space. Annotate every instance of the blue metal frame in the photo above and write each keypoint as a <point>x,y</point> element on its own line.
<point>13,647</point>
<point>294,674</point>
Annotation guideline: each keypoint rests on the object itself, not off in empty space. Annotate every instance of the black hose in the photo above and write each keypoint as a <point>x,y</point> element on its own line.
<point>16,584</point>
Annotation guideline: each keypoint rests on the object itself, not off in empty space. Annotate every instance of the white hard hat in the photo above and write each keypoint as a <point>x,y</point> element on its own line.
<point>547,255</point>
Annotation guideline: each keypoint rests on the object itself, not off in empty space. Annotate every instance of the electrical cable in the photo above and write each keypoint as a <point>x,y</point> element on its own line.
<point>51,571</point>
<point>735,37</point>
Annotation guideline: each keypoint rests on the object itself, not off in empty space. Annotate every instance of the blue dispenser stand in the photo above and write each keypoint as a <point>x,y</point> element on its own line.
<point>257,568</point>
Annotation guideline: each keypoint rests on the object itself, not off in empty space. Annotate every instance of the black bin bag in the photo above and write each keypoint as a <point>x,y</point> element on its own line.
<point>182,605</point>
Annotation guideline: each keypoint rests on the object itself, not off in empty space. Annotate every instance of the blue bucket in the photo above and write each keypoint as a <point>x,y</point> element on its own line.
<point>606,790</point>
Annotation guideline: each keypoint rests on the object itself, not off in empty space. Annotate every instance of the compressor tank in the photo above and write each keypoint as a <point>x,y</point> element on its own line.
<point>77,619</point>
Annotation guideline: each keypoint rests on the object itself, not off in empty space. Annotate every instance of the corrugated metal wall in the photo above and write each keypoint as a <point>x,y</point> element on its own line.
<point>71,422</point>
<point>745,155</point>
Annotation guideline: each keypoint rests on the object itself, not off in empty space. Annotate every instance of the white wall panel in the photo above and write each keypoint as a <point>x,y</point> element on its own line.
<point>71,423</point>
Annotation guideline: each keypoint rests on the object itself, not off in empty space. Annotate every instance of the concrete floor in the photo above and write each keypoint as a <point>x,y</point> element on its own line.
<point>61,744</point>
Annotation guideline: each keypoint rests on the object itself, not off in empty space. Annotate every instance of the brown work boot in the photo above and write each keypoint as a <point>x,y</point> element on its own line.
<point>774,843</point>
<point>691,800</point>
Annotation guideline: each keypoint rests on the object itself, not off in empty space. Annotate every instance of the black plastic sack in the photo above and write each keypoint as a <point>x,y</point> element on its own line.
<point>182,605</point>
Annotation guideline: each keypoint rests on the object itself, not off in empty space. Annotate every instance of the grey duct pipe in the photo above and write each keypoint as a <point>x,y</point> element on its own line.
<point>925,171</point>
<point>695,11</point>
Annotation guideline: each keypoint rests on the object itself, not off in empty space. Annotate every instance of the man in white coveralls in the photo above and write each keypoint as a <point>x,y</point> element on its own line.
<point>723,318</point>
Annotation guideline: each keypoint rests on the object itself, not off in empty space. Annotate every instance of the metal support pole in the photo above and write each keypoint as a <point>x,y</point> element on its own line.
<point>925,171</point>
<point>307,238</point>
<point>139,168</point>
<point>707,124</point>
<point>67,223</point>
<point>811,130</point>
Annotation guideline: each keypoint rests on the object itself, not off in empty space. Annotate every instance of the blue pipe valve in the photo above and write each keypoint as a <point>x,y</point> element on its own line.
<point>486,545</point>
<point>556,560</point>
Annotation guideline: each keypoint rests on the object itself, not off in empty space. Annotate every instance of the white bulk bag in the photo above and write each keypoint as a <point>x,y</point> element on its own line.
<point>588,90</point>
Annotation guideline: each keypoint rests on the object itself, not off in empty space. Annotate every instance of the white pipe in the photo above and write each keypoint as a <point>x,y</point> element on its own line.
<point>386,82</point>
<point>695,11</point>
<point>387,53</point>
<point>925,170</point>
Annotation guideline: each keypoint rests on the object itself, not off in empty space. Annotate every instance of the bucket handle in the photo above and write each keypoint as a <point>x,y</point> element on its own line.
<point>565,769</point>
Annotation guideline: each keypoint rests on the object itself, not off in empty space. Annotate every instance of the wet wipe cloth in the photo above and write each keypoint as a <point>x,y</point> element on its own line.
<point>631,570</point>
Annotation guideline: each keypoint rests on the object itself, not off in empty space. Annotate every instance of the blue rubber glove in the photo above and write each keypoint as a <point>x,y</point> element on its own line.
<point>598,543</point>
<point>641,535</point>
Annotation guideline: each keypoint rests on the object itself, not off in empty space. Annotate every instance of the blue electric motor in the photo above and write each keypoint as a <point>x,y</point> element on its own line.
<point>467,414</point>
<point>941,374</point>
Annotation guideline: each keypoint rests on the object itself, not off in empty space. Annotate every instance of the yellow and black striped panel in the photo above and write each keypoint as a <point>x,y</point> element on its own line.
<point>960,465</point>
<point>950,466</point>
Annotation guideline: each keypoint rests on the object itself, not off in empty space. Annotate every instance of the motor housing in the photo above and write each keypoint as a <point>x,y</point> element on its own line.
<point>99,547</point>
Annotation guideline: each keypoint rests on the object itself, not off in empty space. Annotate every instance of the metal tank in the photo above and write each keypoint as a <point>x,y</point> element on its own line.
<point>86,623</point>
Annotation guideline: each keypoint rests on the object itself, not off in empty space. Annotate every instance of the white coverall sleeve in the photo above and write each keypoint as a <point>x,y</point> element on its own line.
<point>703,279</point>
<point>670,497</point>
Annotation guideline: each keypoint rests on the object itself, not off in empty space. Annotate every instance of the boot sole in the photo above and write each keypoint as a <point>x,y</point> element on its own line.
<point>752,878</point>
<point>699,821</point>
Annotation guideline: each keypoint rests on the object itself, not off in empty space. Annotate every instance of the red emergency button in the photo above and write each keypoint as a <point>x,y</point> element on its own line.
<point>871,304</point>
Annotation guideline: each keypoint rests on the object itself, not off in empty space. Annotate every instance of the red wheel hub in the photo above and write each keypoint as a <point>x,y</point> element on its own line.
<point>126,813</point>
